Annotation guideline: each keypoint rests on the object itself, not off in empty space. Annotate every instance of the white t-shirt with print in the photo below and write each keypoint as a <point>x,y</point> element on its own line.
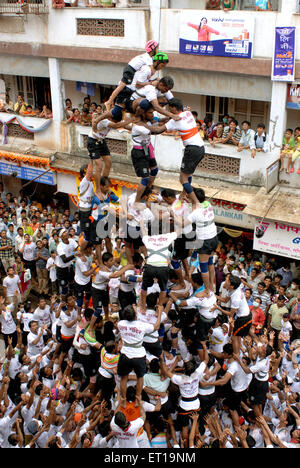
<point>160,244</point>
<point>8,325</point>
<point>189,387</point>
<point>132,333</point>
<point>203,216</point>
<point>80,268</point>
<point>127,438</point>
<point>65,249</point>
<point>187,128</point>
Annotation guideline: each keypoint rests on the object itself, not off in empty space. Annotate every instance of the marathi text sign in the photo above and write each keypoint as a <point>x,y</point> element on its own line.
<point>279,239</point>
<point>230,213</point>
<point>216,34</point>
<point>283,68</point>
<point>27,173</point>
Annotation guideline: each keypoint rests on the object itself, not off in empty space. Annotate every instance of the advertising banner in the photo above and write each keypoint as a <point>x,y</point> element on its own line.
<point>283,68</point>
<point>230,213</point>
<point>279,239</point>
<point>216,34</point>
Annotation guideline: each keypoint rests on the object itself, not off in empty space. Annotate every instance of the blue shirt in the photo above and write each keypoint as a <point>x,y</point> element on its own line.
<point>262,4</point>
<point>102,205</point>
<point>287,276</point>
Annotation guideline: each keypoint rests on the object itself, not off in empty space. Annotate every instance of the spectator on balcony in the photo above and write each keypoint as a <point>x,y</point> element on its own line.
<point>58,4</point>
<point>68,108</point>
<point>263,5</point>
<point>247,137</point>
<point>29,111</point>
<point>296,154</point>
<point>46,113</point>
<point>212,4</point>
<point>208,127</point>
<point>288,147</point>
<point>93,107</point>
<point>228,5</point>
<point>86,117</point>
<point>260,140</point>
<point>87,103</point>
<point>20,106</point>
<point>216,135</point>
<point>76,117</point>
<point>231,134</point>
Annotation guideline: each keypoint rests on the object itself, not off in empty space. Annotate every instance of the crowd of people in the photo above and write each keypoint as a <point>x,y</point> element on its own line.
<point>133,323</point>
<point>23,108</point>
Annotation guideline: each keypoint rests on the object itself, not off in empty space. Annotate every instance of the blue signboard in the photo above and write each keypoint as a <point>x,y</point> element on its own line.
<point>27,173</point>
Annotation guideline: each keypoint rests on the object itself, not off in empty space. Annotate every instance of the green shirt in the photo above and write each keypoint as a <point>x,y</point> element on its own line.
<point>277,315</point>
<point>227,4</point>
<point>291,143</point>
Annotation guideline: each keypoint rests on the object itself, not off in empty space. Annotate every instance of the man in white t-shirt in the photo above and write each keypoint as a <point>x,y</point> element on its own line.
<point>65,257</point>
<point>202,216</point>
<point>83,276</point>
<point>135,212</point>
<point>35,341</point>
<point>184,123</point>
<point>133,353</point>
<point>157,262</point>
<point>86,193</point>
<point>188,384</point>
<point>239,383</point>
<point>42,315</point>
<point>127,432</point>
<point>11,287</point>
<point>239,309</point>
<point>8,325</point>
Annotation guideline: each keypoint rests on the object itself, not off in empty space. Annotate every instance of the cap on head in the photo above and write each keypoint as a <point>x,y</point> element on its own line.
<point>150,46</point>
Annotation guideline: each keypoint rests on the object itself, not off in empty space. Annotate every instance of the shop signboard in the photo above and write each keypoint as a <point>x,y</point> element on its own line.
<point>278,239</point>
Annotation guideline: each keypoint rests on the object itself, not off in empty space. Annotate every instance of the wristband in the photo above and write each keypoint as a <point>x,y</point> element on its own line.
<point>178,302</point>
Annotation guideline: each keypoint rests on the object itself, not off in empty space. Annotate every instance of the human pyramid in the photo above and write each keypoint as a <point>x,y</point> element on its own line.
<point>149,353</point>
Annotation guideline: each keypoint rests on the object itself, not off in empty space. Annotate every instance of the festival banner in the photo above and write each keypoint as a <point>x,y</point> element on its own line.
<point>279,239</point>
<point>216,34</point>
<point>283,68</point>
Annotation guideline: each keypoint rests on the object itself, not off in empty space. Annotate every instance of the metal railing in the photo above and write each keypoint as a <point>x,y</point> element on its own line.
<point>23,7</point>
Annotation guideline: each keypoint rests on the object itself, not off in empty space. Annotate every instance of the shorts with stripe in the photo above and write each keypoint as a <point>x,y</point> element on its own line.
<point>242,326</point>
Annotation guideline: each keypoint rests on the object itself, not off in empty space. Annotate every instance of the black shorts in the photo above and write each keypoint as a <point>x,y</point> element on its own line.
<point>65,276</point>
<point>126,298</point>
<point>150,272</point>
<point>85,222</point>
<point>207,402</point>
<point>235,399</point>
<point>153,348</point>
<point>126,365</point>
<point>96,148</point>
<point>191,158</point>
<point>100,230</point>
<point>242,326</point>
<point>258,391</point>
<point>66,344</point>
<point>203,328</point>
<point>124,96</point>
<point>142,163</point>
<point>182,246</point>
<point>133,237</point>
<point>100,298</point>
<point>208,246</point>
<point>128,74</point>
<point>83,289</point>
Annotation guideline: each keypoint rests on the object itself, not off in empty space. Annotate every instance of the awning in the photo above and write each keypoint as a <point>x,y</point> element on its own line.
<point>278,205</point>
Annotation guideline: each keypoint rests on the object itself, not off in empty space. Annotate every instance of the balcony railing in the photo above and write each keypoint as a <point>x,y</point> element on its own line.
<point>24,7</point>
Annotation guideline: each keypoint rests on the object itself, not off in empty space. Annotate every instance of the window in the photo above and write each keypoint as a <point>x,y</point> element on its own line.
<point>254,111</point>
<point>100,27</point>
<point>250,5</point>
<point>216,107</point>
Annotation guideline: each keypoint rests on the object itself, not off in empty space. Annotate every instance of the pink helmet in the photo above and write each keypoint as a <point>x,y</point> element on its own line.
<point>151,45</point>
